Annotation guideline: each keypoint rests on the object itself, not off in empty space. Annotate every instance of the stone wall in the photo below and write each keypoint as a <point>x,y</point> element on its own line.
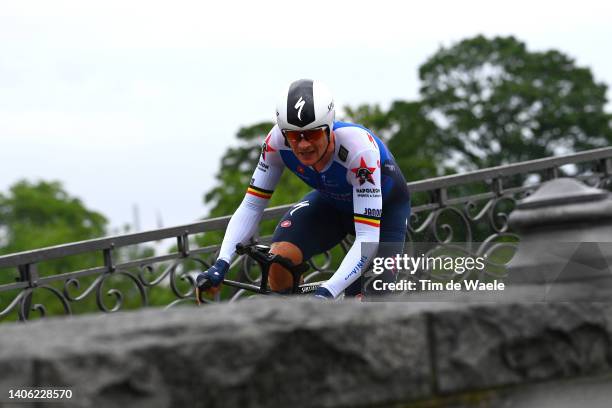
<point>272,352</point>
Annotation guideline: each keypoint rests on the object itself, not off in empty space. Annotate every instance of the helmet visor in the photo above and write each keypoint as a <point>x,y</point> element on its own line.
<point>310,135</point>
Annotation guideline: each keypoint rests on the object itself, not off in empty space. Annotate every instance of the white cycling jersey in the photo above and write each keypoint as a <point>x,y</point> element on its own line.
<point>351,181</point>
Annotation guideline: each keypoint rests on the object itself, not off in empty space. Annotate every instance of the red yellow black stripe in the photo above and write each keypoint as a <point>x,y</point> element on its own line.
<point>367,219</point>
<point>260,192</point>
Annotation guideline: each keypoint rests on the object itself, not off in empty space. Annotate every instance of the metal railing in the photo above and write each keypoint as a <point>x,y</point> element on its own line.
<point>461,207</point>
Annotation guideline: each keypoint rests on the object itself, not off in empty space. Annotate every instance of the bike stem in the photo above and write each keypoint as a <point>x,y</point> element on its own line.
<point>265,260</point>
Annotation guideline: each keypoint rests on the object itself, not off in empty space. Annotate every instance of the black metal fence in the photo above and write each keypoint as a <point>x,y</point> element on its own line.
<point>470,207</point>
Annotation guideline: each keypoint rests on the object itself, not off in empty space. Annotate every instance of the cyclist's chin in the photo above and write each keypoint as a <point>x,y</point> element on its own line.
<point>307,159</point>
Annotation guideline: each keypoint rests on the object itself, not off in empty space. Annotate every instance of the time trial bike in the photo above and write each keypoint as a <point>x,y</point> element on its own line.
<point>261,255</point>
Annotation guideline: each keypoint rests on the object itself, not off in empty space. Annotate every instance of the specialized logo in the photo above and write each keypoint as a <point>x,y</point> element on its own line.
<point>266,148</point>
<point>307,288</point>
<point>298,206</point>
<point>364,173</point>
<point>299,105</point>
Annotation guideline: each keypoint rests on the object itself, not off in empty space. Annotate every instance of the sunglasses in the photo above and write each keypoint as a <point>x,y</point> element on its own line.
<point>310,135</point>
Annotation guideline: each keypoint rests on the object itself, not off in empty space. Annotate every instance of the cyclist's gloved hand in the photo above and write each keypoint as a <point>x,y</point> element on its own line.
<point>213,276</point>
<point>323,294</point>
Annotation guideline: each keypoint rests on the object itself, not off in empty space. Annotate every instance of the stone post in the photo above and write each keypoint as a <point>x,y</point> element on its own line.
<point>565,231</point>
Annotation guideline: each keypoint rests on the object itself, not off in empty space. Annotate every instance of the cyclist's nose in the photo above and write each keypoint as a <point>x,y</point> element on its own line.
<point>304,144</point>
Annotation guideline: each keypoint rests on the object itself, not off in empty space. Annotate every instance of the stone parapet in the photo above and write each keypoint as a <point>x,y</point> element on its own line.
<point>272,352</point>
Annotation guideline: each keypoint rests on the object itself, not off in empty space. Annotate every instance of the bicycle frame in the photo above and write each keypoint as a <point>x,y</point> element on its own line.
<point>261,255</point>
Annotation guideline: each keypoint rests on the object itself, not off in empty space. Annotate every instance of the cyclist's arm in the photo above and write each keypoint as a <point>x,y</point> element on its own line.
<point>245,220</point>
<point>367,210</point>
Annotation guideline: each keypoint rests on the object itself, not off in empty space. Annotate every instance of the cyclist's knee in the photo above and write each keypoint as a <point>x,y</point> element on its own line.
<point>279,278</point>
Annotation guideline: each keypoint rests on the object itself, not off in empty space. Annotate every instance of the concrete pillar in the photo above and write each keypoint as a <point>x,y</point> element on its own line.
<point>565,231</point>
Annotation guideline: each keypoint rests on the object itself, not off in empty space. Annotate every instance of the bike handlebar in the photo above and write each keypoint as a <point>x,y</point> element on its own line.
<point>261,254</point>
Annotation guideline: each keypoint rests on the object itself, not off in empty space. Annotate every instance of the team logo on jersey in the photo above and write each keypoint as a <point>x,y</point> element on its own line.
<point>266,148</point>
<point>364,173</point>
<point>342,153</point>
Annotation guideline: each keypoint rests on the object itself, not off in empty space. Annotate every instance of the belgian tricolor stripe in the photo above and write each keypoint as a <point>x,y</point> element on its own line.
<point>367,219</point>
<point>260,192</point>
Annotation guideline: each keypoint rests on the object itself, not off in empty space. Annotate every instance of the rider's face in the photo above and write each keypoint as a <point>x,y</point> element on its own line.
<point>308,150</point>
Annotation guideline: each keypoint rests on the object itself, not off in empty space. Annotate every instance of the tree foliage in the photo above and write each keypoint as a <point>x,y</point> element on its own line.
<point>236,169</point>
<point>414,140</point>
<point>42,214</point>
<point>484,102</point>
<point>35,215</point>
<point>237,166</point>
<point>496,102</point>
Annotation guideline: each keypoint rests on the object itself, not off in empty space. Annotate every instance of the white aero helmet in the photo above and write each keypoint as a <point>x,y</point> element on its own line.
<point>305,104</point>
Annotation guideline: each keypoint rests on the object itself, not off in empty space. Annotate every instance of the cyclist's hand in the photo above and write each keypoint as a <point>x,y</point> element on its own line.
<point>209,281</point>
<point>323,294</point>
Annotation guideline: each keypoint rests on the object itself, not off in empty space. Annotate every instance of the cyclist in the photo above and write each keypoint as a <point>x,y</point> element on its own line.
<point>358,189</point>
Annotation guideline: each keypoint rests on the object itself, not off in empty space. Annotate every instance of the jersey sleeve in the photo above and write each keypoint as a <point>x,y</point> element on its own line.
<point>364,175</point>
<point>245,220</point>
<point>269,168</point>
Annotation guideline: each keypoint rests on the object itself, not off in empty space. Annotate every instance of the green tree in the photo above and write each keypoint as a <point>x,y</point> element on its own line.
<point>415,141</point>
<point>42,214</point>
<point>35,215</point>
<point>498,103</point>
<point>484,102</point>
<point>236,170</point>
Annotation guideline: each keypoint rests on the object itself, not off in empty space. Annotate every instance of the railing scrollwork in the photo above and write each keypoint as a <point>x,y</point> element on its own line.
<point>478,215</point>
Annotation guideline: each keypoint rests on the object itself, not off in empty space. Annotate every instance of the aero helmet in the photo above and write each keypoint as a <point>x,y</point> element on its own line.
<point>305,104</point>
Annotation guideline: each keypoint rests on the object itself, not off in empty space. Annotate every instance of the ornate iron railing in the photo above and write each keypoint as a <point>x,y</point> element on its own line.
<point>470,207</point>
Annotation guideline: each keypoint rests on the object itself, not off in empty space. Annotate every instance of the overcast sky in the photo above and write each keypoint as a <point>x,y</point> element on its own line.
<point>134,102</point>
